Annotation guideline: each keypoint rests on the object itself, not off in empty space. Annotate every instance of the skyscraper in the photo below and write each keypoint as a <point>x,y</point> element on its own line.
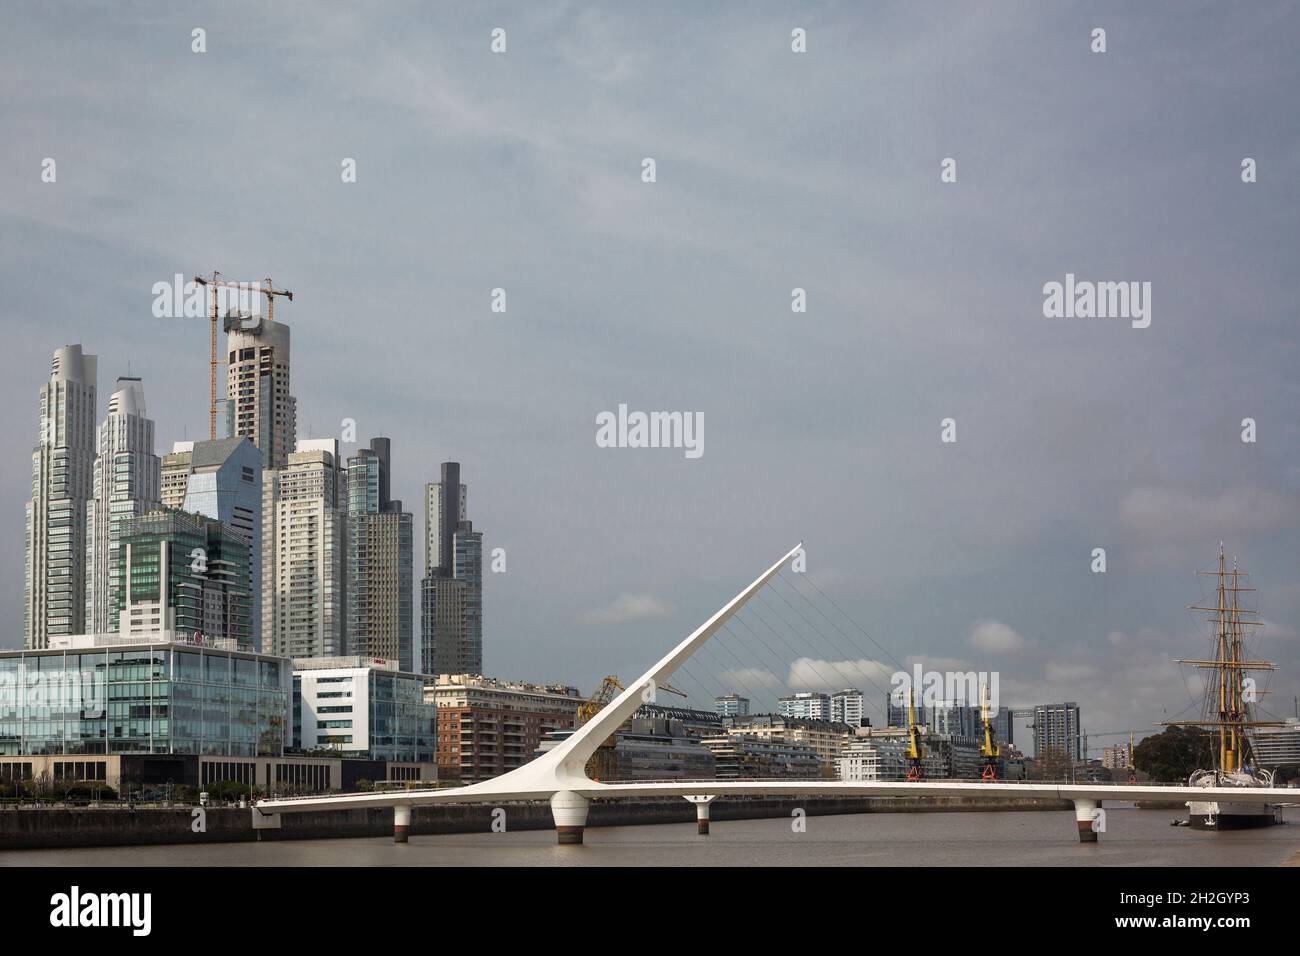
<point>446,503</point>
<point>225,483</point>
<point>125,484</point>
<point>379,560</point>
<point>304,553</point>
<point>259,406</point>
<point>451,612</point>
<point>62,477</point>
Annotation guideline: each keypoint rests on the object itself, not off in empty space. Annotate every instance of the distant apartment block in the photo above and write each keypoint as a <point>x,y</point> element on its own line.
<point>1057,727</point>
<point>810,705</point>
<point>848,706</point>
<point>731,705</point>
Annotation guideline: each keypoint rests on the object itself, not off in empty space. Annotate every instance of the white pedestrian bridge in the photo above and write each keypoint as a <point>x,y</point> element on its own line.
<point>559,775</point>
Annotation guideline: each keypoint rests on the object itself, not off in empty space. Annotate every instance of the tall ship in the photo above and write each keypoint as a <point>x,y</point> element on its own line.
<point>1230,711</point>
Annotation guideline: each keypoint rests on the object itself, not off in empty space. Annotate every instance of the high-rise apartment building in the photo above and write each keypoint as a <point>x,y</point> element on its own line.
<point>731,705</point>
<point>1057,727</point>
<point>304,553</point>
<point>125,485</point>
<point>225,483</point>
<point>451,611</point>
<point>176,474</point>
<point>259,406</point>
<point>848,706</point>
<point>379,561</point>
<point>63,464</point>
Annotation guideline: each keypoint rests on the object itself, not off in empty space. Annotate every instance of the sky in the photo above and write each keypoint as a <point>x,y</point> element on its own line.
<point>774,170</point>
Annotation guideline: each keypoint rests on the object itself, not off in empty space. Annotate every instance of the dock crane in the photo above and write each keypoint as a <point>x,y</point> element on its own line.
<point>268,289</point>
<point>915,749</point>
<point>989,749</point>
<point>602,761</point>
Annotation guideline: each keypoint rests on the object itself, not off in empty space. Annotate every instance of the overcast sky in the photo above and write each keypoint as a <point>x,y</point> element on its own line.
<point>775,170</point>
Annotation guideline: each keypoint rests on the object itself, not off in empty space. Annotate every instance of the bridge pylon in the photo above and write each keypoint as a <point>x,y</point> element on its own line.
<point>570,812</point>
<point>701,802</point>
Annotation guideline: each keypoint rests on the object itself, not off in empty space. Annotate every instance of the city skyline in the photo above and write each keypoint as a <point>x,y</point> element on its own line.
<point>1072,434</point>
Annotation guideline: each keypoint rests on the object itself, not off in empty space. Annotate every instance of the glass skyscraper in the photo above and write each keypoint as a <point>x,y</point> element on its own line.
<point>225,483</point>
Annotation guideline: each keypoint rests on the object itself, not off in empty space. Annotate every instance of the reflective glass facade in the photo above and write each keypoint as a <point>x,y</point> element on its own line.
<point>161,699</point>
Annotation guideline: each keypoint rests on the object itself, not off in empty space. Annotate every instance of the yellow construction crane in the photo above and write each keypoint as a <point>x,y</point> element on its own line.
<point>915,749</point>
<point>602,761</point>
<point>268,289</point>
<point>989,750</point>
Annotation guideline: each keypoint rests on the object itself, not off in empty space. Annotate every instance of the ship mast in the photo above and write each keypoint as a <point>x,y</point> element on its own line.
<point>1230,620</point>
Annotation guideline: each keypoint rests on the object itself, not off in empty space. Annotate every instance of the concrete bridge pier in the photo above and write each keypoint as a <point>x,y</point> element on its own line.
<point>1083,810</point>
<point>701,811</point>
<point>401,822</point>
<point>570,812</point>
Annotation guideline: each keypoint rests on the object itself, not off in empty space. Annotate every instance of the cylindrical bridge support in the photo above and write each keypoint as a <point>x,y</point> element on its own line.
<point>1087,819</point>
<point>701,811</point>
<point>401,822</point>
<point>570,812</point>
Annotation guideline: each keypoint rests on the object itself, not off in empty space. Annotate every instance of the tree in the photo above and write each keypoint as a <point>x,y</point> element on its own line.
<point>1172,756</point>
<point>1052,764</point>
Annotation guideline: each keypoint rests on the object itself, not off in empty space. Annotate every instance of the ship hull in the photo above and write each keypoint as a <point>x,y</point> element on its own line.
<point>1230,816</point>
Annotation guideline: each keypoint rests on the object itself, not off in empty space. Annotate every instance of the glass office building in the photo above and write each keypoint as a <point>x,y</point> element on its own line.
<point>143,699</point>
<point>185,573</point>
<point>361,709</point>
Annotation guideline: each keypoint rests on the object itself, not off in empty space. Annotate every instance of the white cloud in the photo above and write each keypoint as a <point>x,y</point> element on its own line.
<point>626,608</point>
<point>1177,514</point>
<point>994,637</point>
<point>810,673</point>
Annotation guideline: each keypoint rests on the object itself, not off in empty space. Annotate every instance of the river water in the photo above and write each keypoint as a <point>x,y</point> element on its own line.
<point>1039,838</point>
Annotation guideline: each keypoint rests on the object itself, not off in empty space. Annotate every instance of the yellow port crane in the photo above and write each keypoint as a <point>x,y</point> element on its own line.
<point>990,750</point>
<point>268,289</point>
<point>602,761</point>
<point>915,749</point>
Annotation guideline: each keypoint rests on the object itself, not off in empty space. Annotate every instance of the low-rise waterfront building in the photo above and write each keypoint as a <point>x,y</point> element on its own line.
<point>362,708</point>
<point>742,756</point>
<point>487,726</point>
<point>826,739</point>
